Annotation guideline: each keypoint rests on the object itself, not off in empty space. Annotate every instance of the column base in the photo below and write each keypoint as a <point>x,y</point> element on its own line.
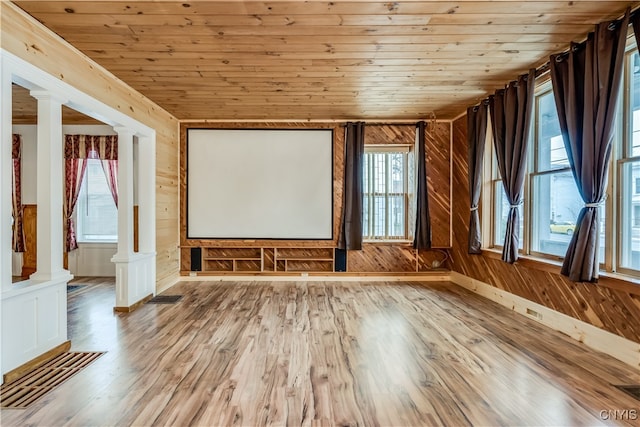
<point>54,276</point>
<point>135,277</point>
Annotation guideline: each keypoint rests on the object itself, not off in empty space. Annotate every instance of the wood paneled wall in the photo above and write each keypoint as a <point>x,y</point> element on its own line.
<point>438,153</point>
<point>393,258</point>
<point>373,258</point>
<point>30,227</point>
<point>28,39</point>
<point>612,305</point>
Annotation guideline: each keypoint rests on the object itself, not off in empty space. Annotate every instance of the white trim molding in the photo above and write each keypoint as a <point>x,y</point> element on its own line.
<point>598,339</point>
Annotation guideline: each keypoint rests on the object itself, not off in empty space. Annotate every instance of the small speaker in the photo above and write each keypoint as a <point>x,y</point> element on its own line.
<point>196,259</point>
<point>340,260</point>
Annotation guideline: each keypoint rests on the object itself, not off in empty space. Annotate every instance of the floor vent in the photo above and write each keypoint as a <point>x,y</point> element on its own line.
<point>631,390</point>
<point>24,391</point>
<point>165,299</point>
<point>71,288</point>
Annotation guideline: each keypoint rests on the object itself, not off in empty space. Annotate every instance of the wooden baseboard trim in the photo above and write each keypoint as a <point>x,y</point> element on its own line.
<point>134,306</point>
<point>357,277</point>
<point>598,339</point>
<point>36,362</point>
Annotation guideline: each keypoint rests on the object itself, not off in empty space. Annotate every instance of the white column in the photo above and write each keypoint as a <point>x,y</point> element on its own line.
<point>6,167</point>
<point>125,193</point>
<point>125,259</point>
<point>49,184</point>
<point>146,175</point>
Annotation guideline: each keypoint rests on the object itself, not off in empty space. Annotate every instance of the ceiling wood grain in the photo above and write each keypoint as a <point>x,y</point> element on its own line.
<point>25,110</point>
<point>318,60</point>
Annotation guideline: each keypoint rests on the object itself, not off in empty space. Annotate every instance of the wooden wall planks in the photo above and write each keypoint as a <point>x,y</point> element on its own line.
<point>380,258</point>
<point>29,257</point>
<point>439,181</point>
<point>374,258</point>
<point>31,41</point>
<point>611,305</point>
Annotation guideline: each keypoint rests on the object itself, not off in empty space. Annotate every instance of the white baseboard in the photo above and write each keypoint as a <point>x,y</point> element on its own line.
<point>167,283</point>
<point>598,339</point>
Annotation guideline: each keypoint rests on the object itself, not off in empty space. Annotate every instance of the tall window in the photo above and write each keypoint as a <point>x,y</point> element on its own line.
<point>385,194</point>
<point>96,212</point>
<point>552,202</point>
<point>629,168</point>
<point>501,207</point>
<point>555,200</point>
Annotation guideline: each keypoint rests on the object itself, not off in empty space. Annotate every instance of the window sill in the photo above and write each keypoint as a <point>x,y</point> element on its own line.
<point>98,242</point>
<point>381,242</point>
<point>617,281</point>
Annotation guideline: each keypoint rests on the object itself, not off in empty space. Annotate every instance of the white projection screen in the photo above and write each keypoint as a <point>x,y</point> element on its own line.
<point>259,184</point>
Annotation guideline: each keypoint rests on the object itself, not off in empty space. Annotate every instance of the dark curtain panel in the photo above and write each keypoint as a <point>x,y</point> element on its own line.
<point>635,21</point>
<point>476,136</point>
<point>511,110</point>
<point>351,228</point>
<point>422,235</point>
<point>586,82</point>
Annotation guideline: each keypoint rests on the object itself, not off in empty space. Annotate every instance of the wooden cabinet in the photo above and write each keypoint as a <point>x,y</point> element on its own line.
<point>267,260</point>
<point>304,259</point>
<point>247,260</point>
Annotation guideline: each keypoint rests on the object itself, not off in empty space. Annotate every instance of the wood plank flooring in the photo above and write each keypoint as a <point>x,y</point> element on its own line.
<point>334,353</point>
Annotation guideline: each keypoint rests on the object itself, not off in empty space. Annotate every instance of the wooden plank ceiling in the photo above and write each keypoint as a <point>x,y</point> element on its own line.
<point>25,110</point>
<point>284,60</point>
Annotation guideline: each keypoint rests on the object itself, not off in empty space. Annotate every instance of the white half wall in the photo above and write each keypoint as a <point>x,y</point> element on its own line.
<point>93,259</point>
<point>34,320</point>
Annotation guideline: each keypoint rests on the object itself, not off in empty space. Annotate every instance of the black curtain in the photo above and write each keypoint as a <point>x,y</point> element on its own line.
<point>511,110</point>
<point>476,137</point>
<point>422,235</point>
<point>351,228</point>
<point>586,83</point>
<point>635,21</point>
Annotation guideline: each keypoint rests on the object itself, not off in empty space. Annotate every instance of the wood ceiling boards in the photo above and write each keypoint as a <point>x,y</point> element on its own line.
<point>25,110</point>
<point>283,60</point>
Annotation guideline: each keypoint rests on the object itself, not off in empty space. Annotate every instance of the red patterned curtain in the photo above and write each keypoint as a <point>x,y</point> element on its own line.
<point>108,154</point>
<point>77,149</point>
<point>17,209</point>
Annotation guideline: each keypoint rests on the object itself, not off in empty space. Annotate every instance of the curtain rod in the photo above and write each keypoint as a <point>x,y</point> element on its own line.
<point>544,68</point>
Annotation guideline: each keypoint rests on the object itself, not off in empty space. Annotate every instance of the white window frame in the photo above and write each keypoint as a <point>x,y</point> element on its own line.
<point>535,170</point>
<point>386,149</point>
<point>621,155</point>
<point>80,236</point>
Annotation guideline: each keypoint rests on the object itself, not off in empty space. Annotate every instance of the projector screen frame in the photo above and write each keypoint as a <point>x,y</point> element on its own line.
<point>257,239</point>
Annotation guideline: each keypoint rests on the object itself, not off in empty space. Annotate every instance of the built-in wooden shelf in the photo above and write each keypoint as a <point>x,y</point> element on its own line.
<point>304,259</point>
<point>267,259</point>
<point>232,260</point>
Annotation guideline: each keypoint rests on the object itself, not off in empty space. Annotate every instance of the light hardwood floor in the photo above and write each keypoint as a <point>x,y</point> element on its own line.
<point>335,353</point>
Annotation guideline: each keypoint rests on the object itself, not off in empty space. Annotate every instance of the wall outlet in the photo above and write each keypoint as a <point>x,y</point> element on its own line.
<point>534,313</point>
